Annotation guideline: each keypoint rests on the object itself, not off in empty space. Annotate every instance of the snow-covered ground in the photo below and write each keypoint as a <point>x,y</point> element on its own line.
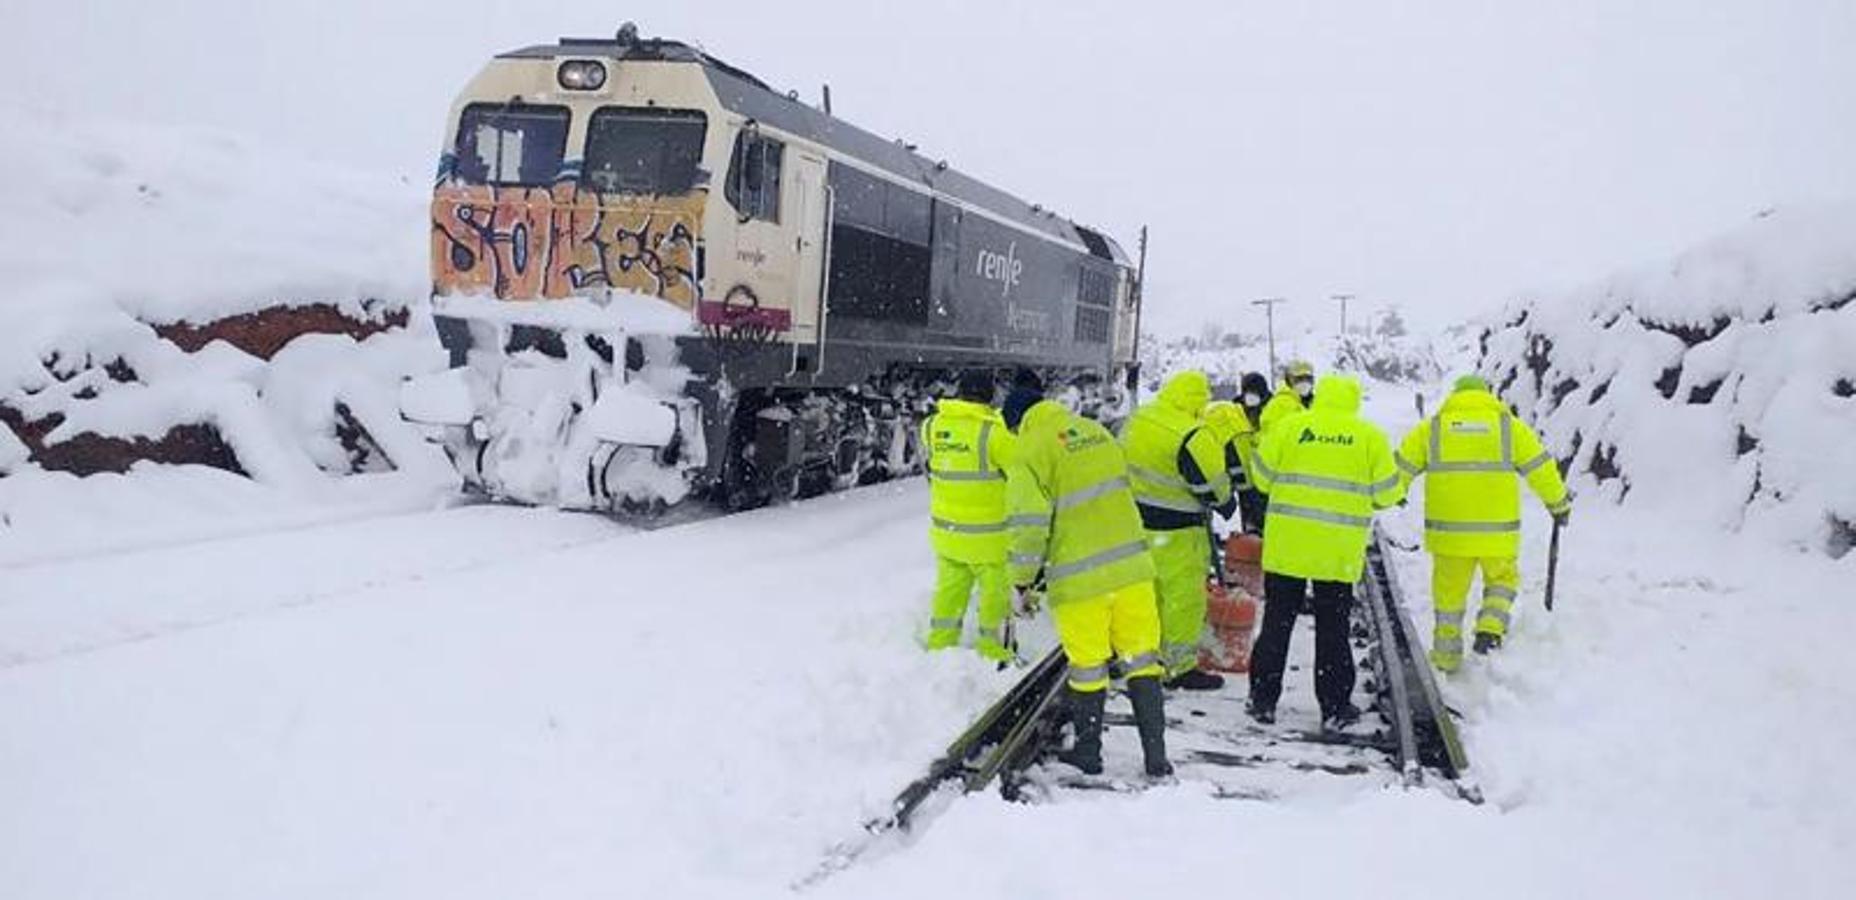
<point>494,702</point>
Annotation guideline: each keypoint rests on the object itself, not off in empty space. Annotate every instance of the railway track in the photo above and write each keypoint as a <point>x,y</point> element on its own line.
<point>1406,738</point>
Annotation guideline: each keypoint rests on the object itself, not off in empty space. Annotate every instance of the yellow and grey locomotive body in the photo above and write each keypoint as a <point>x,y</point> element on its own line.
<point>655,275</point>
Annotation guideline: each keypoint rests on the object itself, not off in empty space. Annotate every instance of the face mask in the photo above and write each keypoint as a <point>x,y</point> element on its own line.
<point>1305,389</point>
<point>1252,400</point>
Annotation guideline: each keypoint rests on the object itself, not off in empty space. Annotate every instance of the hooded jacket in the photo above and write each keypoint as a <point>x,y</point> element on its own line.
<point>1473,455</point>
<point>1326,471</point>
<point>1177,466</point>
<point>1073,515</point>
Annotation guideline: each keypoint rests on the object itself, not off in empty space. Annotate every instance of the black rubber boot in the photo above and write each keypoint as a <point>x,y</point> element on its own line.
<point>1264,715</point>
<point>1196,680</point>
<point>1150,718</point>
<point>1486,642</point>
<point>1086,720</point>
<point>1340,718</point>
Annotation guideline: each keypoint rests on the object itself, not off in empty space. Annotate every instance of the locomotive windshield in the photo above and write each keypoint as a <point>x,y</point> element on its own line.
<point>644,151</point>
<point>504,144</point>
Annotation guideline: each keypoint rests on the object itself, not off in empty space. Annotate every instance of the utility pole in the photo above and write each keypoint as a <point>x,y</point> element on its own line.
<point>1137,294</point>
<point>1343,298</point>
<point>1269,311</point>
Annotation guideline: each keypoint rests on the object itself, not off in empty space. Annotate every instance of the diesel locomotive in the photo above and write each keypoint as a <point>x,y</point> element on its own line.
<point>657,277</point>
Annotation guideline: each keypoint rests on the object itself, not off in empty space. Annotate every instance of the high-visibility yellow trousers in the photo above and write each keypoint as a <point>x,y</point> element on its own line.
<point>953,587</point>
<point>1182,560</point>
<point>1124,623</point>
<point>1450,580</point>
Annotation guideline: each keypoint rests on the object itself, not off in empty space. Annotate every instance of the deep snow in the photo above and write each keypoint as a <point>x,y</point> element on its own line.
<point>703,710</point>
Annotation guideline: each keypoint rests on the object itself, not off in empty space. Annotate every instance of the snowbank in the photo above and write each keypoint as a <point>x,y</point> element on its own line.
<point>186,297</point>
<point>1720,385</point>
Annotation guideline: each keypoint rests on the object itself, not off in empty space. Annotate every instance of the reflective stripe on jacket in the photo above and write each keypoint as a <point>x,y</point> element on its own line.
<point>1177,467</point>
<point>968,449</point>
<point>1471,453</point>
<point>1326,471</point>
<point>1072,508</point>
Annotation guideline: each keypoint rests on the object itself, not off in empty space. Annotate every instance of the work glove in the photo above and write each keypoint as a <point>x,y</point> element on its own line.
<point>1030,597</point>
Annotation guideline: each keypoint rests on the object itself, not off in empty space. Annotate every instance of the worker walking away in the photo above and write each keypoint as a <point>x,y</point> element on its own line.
<point>1254,392</point>
<point>968,448</point>
<point>1177,467</point>
<point>1074,521</point>
<point>1326,471</point>
<point>1294,396</point>
<point>1472,455</point>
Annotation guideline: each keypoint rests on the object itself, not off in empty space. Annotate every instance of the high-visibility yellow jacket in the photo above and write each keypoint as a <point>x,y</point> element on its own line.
<point>1177,465</point>
<point>1073,512</point>
<point>1283,404</point>
<point>968,450</point>
<point>1326,471</point>
<point>1473,454</point>
<point>1231,427</point>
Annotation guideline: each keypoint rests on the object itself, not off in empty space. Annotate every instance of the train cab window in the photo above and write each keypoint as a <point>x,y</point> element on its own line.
<point>510,144</point>
<point>754,176</point>
<point>644,151</point>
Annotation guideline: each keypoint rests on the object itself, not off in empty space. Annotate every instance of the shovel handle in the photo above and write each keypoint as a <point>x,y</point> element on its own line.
<point>1553,563</point>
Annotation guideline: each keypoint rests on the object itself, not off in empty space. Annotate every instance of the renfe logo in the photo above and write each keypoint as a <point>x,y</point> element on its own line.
<point>1003,269</point>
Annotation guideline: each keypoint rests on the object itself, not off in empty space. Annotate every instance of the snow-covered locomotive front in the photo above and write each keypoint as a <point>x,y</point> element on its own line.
<point>654,275</point>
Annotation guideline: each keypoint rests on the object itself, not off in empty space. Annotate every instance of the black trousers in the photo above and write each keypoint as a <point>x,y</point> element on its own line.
<point>1334,672</point>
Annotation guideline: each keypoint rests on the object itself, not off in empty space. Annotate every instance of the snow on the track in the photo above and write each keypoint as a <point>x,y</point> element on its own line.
<point>1675,728</point>
<point>698,710</point>
<point>535,704</point>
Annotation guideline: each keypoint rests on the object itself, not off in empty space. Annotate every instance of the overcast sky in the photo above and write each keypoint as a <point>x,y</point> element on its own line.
<point>1442,154</point>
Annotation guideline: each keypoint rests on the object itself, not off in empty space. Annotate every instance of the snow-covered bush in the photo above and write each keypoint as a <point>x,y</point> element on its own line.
<point>1386,358</point>
<point>1721,385</point>
<point>183,296</point>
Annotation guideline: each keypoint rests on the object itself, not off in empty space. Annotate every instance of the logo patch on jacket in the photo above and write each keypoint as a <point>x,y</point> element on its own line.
<point>1310,437</point>
<point>1074,440</point>
<point>1467,427</point>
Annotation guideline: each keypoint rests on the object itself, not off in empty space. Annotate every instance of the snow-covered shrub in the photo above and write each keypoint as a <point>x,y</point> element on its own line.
<point>1390,359</point>
<point>182,296</point>
<point>1721,385</point>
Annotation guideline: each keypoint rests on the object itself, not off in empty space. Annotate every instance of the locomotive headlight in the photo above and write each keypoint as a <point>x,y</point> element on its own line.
<point>581,75</point>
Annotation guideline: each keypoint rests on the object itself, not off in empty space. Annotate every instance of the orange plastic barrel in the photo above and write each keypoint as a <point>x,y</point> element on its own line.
<point>1231,614</point>
<point>1243,562</point>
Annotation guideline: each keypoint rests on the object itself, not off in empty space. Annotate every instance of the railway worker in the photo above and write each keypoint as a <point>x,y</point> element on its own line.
<point>1294,396</point>
<point>1251,396</point>
<point>1326,471</point>
<point>968,447</point>
<point>1177,467</point>
<point>1075,528</point>
<point>1237,437</point>
<point>1472,455</point>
